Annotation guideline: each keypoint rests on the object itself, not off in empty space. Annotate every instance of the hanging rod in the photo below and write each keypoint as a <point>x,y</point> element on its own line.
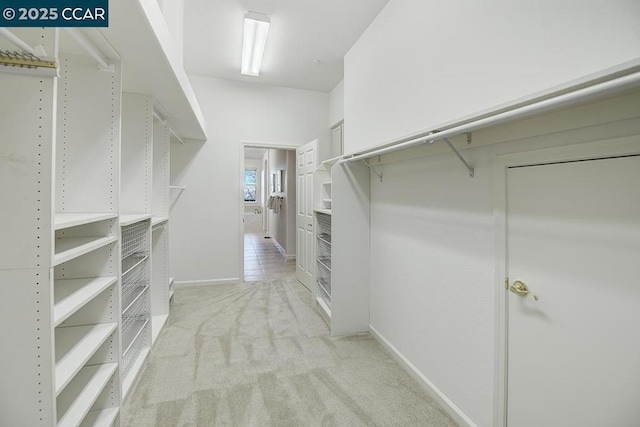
<point>157,116</point>
<point>17,41</point>
<point>178,137</point>
<point>171,131</point>
<point>90,49</point>
<point>604,88</point>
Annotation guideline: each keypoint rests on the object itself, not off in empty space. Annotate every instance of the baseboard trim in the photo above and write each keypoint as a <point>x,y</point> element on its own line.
<point>437,395</point>
<point>281,249</point>
<point>209,282</point>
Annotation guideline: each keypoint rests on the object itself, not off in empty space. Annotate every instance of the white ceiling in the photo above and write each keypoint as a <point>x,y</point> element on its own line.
<point>301,31</point>
<point>254,153</point>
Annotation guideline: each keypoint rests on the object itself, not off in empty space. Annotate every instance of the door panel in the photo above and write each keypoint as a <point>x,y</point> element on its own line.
<point>306,165</point>
<point>573,236</point>
<point>300,195</point>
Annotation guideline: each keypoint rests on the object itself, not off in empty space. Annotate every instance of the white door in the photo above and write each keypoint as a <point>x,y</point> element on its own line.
<point>573,237</point>
<point>306,163</point>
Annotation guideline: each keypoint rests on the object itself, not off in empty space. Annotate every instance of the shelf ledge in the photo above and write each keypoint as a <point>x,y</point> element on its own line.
<point>130,219</point>
<point>72,294</point>
<point>68,220</point>
<point>324,211</point>
<point>68,248</point>
<point>157,220</point>
<point>93,380</point>
<point>74,347</point>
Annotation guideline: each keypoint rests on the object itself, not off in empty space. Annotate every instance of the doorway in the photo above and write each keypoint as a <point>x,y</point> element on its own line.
<point>268,202</point>
<point>571,233</point>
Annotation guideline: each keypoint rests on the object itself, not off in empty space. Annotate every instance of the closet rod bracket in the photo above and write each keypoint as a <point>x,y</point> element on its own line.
<point>466,164</point>
<point>469,137</point>
<point>379,175</point>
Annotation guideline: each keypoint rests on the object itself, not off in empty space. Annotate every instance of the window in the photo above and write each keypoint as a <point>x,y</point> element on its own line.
<point>250,184</point>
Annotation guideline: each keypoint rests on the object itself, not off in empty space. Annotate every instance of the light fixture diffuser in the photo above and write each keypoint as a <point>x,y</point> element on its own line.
<point>256,26</point>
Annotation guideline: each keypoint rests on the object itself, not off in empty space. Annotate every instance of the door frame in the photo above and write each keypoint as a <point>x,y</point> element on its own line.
<point>243,145</point>
<point>614,147</point>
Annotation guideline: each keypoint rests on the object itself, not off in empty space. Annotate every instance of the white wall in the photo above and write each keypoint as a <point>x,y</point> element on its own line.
<point>291,203</point>
<point>336,104</point>
<point>433,283</point>
<point>278,221</point>
<point>205,219</point>
<point>423,63</point>
<point>173,12</point>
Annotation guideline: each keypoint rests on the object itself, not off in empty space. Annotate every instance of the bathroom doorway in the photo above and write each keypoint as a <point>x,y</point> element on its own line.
<point>268,212</point>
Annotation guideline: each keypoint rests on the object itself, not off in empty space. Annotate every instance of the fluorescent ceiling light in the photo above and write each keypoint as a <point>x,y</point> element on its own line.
<point>256,26</point>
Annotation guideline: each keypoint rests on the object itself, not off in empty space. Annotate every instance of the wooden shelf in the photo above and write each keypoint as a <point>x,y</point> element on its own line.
<point>68,248</point>
<point>74,346</point>
<point>101,418</point>
<point>157,220</point>
<point>134,372</point>
<point>72,294</point>
<point>324,211</point>
<point>67,220</point>
<point>130,219</point>
<point>91,380</point>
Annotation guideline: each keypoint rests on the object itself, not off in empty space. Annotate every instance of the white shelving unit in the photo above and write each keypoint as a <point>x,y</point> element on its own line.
<point>67,220</point>
<point>69,173</point>
<point>135,220</point>
<point>86,276</point>
<point>342,242</point>
<point>160,229</point>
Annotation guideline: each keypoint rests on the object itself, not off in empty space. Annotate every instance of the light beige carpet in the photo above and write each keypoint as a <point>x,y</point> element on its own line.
<point>259,354</point>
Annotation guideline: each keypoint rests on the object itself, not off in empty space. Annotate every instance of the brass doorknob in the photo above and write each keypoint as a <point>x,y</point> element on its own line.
<point>522,289</point>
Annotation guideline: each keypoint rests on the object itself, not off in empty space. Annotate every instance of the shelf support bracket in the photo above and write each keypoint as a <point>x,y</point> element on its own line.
<point>379,175</point>
<point>466,164</point>
<point>469,137</point>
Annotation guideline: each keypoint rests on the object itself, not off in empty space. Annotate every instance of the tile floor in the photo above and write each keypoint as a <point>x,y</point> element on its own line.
<point>262,260</point>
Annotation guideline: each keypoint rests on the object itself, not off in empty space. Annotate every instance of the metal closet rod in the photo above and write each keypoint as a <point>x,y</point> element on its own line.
<point>17,41</point>
<point>608,87</point>
<point>89,48</point>
<point>171,131</point>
